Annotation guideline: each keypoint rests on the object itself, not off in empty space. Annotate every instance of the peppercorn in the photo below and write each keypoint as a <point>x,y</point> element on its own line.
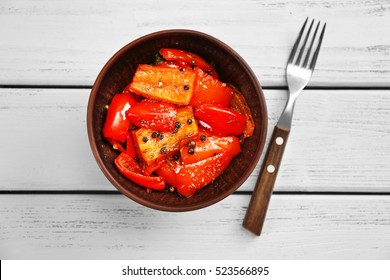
<point>192,144</point>
<point>145,139</point>
<point>154,134</point>
<point>189,121</point>
<point>160,136</point>
<point>203,137</point>
<point>186,87</point>
<point>163,150</point>
<point>176,156</point>
<point>177,124</point>
<point>191,151</point>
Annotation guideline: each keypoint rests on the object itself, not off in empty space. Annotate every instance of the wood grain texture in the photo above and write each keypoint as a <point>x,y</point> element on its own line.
<point>68,42</point>
<point>113,227</point>
<point>339,141</point>
<point>258,206</point>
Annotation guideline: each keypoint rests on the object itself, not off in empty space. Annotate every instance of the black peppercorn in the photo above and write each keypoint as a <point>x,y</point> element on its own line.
<point>177,124</point>
<point>186,87</point>
<point>154,134</point>
<point>145,139</point>
<point>164,150</point>
<point>191,144</point>
<point>203,137</point>
<point>191,151</point>
<point>189,121</point>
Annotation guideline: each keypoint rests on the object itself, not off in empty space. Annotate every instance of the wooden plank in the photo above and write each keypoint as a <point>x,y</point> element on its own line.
<point>68,42</point>
<point>339,141</point>
<point>113,227</point>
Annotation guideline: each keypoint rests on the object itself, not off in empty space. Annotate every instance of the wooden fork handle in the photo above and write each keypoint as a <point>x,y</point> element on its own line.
<point>257,209</point>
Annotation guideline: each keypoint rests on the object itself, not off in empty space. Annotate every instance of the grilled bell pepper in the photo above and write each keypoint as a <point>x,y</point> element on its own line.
<point>163,84</point>
<point>188,58</point>
<point>240,105</point>
<point>206,145</point>
<point>152,145</point>
<point>210,90</point>
<point>220,120</point>
<point>117,124</point>
<point>129,168</point>
<point>153,114</point>
<point>193,177</point>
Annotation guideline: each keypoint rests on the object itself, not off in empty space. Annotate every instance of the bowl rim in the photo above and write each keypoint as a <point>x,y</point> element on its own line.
<point>90,122</point>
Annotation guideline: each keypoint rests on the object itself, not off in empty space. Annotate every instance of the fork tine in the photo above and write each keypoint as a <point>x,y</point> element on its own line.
<point>294,49</point>
<point>304,44</point>
<point>311,46</point>
<point>315,56</point>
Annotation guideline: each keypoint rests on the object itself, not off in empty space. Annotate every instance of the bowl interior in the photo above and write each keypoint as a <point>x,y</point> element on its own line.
<point>231,68</point>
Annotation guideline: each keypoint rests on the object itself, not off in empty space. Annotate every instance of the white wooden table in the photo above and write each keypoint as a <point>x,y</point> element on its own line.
<point>332,196</point>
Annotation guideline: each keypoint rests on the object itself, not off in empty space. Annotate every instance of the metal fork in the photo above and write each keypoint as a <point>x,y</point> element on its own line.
<point>299,70</point>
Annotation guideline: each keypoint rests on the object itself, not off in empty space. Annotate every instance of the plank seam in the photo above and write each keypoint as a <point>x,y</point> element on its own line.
<point>86,192</point>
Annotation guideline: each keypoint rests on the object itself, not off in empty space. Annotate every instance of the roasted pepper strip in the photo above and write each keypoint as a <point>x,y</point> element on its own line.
<point>193,177</point>
<point>117,124</point>
<point>153,114</point>
<point>163,84</point>
<point>240,105</point>
<point>188,58</point>
<point>220,120</point>
<point>205,146</point>
<point>154,145</point>
<point>208,89</point>
<point>130,169</point>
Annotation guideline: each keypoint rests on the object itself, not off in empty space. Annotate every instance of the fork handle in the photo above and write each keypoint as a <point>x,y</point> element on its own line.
<point>257,209</point>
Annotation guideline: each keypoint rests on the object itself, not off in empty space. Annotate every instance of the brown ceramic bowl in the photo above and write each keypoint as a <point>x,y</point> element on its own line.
<point>231,68</point>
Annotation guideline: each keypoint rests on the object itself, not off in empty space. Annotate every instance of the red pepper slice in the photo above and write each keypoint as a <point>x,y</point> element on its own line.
<point>149,169</point>
<point>117,124</point>
<point>188,58</point>
<point>193,177</point>
<point>240,105</point>
<point>220,120</point>
<point>175,64</point>
<point>206,145</point>
<point>153,114</point>
<point>130,148</point>
<point>131,170</point>
<point>163,84</point>
<point>168,170</point>
<point>210,90</point>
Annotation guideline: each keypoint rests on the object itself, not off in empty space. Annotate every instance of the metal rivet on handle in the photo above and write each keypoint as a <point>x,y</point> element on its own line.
<point>271,168</point>
<point>279,141</point>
